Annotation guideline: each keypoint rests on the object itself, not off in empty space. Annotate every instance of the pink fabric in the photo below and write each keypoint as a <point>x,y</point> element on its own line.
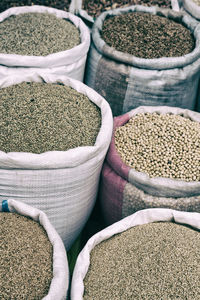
<point>113,158</point>
<point>111,194</point>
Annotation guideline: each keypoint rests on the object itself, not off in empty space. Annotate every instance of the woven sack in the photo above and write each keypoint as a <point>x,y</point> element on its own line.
<point>127,81</point>
<point>70,62</point>
<point>192,8</point>
<point>63,184</point>
<point>76,7</point>
<point>60,281</point>
<point>141,217</point>
<point>124,191</point>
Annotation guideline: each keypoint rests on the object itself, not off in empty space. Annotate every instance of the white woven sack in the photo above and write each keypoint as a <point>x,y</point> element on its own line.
<point>192,8</point>
<point>60,282</point>
<point>63,184</point>
<point>70,62</point>
<point>138,218</point>
<point>159,186</point>
<point>76,8</point>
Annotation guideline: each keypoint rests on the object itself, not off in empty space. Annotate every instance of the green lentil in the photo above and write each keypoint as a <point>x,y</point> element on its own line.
<point>37,34</point>
<point>147,262</point>
<point>26,268</point>
<point>161,145</point>
<point>147,36</point>
<point>40,117</point>
<point>59,4</point>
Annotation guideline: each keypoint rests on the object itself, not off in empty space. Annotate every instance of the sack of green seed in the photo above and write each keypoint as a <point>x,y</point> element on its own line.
<point>33,257</point>
<point>59,132</point>
<point>152,254</point>
<point>90,10</point>
<point>192,7</point>
<point>153,161</point>
<point>145,56</point>
<point>39,38</point>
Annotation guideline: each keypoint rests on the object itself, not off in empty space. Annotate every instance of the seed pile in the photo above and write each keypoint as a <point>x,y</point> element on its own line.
<point>26,268</point>
<point>59,4</point>
<point>196,1</point>
<point>40,117</point>
<point>96,7</point>
<point>151,262</point>
<point>37,34</point>
<point>147,36</point>
<point>161,145</point>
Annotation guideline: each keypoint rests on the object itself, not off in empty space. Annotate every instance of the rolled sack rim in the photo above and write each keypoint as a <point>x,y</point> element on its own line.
<point>57,59</point>
<point>191,7</point>
<point>162,63</point>
<point>61,159</point>
<point>156,186</point>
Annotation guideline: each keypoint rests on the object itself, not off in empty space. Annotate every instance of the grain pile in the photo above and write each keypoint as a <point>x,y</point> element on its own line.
<point>26,268</point>
<point>161,145</point>
<point>147,36</point>
<point>59,4</point>
<point>96,7</point>
<point>40,117</point>
<point>37,34</point>
<point>151,262</point>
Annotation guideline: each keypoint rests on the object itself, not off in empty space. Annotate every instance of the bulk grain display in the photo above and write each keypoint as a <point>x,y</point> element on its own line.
<point>152,254</point>
<point>90,10</point>
<point>38,38</point>
<point>145,56</point>
<point>33,258</point>
<point>59,4</point>
<point>59,131</point>
<point>153,161</point>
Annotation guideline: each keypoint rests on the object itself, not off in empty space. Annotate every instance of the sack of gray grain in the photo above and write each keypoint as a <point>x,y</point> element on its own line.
<point>145,56</point>
<point>39,38</point>
<point>89,10</point>
<point>152,254</point>
<point>153,161</point>
<point>192,7</point>
<point>59,132</point>
<point>33,258</point>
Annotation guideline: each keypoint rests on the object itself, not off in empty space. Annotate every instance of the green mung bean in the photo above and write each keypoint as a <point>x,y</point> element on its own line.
<point>40,117</point>
<point>147,36</point>
<point>26,267</point>
<point>37,34</point>
<point>151,262</point>
<point>161,145</point>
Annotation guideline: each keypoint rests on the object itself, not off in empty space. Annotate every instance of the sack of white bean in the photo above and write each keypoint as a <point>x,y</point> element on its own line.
<point>42,39</point>
<point>33,257</point>
<point>153,74</point>
<point>153,161</point>
<point>152,254</point>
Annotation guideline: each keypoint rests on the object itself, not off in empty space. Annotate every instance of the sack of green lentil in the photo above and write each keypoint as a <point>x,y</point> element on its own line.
<point>39,38</point>
<point>33,258</point>
<point>152,162</point>
<point>152,254</point>
<point>59,132</point>
<point>89,10</point>
<point>192,7</point>
<point>145,56</point>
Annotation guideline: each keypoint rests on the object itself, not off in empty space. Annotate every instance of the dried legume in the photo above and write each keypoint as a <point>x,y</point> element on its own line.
<point>39,117</point>
<point>59,4</point>
<point>151,262</point>
<point>161,145</point>
<point>26,267</point>
<point>37,34</point>
<point>96,7</point>
<point>147,36</point>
